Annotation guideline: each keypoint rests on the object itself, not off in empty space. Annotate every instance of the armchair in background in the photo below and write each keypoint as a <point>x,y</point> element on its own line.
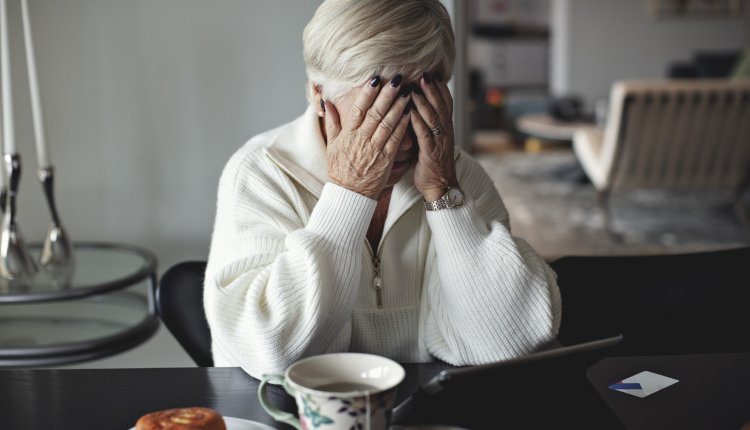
<point>691,135</point>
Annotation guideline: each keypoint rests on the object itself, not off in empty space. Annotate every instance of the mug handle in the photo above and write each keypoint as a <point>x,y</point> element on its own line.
<point>272,410</point>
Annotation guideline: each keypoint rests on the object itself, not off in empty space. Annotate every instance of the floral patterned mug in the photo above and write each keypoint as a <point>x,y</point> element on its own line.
<point>340,391</point>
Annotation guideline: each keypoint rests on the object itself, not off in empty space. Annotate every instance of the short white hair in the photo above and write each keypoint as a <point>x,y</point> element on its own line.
<point>347,42</point>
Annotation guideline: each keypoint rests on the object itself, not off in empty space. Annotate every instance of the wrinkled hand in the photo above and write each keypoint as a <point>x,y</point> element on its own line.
<point>435,170</point>
<point>361,151</point>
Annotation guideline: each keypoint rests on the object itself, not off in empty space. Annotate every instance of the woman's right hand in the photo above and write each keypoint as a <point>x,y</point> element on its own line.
<point>361,151</point>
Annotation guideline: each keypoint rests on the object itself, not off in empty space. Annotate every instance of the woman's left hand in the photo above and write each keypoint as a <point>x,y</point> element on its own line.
<point>433,124</point>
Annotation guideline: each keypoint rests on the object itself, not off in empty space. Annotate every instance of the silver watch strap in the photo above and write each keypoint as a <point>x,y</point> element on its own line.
<point>436,205</point>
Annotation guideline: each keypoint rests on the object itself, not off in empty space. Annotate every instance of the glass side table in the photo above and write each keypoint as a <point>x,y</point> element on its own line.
<point>103,306</point>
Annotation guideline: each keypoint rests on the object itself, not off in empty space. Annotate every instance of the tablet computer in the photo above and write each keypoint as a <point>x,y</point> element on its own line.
<point>546,388</point>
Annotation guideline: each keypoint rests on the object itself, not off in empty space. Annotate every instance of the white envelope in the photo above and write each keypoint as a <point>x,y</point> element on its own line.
<point>643,384</point>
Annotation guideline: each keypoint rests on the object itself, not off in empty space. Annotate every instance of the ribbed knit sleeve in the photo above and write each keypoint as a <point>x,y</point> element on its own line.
<point>279,285</point>
<point>489,296</point>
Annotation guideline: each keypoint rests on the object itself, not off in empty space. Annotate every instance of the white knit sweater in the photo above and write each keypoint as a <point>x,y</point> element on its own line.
<point>290,272</point>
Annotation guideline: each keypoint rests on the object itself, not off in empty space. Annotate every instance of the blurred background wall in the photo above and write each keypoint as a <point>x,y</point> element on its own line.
<point>144,101</point>
<point>596,42</point>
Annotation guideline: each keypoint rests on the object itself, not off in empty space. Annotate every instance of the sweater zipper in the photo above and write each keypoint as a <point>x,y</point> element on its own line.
<point>377,282</point>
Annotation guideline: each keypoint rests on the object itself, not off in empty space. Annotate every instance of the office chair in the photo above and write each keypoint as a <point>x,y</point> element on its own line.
<point>662,304</point>
<point>179,302</point>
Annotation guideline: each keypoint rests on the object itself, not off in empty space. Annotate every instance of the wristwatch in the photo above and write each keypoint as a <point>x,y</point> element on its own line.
<point>452,198</point>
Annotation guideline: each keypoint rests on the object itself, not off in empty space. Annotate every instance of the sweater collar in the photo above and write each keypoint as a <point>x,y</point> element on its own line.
<point>300,151</point>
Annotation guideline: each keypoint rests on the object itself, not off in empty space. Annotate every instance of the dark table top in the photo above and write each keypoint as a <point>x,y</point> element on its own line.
<point>712,393</point>
<point>115,398</point>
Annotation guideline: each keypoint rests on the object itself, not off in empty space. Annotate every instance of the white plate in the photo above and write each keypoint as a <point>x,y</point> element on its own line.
<point>241,424</point>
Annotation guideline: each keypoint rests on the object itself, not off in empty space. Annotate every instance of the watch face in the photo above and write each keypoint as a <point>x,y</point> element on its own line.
<point>455,197</point>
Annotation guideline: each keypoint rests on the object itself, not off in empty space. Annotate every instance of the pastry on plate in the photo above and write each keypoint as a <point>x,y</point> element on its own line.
<point>192,418</point>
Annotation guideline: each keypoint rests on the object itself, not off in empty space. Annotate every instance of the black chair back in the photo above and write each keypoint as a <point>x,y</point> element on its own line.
<point>662,304</point>
<point>179,302</point>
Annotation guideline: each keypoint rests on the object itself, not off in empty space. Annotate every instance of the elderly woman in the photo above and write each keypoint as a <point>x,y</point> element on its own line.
<point>360,226</point>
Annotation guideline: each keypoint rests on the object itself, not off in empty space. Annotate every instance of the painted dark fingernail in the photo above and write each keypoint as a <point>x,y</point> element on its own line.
<point>416,89</point>
<point>438,77</point>
<point>323,105</point>
<point>396,81</point>
<point>406,90</point>
<point>426,78</point>
<point>375,81</point>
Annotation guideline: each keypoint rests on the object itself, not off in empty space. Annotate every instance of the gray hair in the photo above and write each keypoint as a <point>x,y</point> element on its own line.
<point>349,41</point>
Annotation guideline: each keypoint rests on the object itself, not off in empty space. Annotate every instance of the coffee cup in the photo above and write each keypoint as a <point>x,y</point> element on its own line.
<point>338,391</point>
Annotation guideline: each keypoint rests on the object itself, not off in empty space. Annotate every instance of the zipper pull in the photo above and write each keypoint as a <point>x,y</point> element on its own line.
<point>377,283</point>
